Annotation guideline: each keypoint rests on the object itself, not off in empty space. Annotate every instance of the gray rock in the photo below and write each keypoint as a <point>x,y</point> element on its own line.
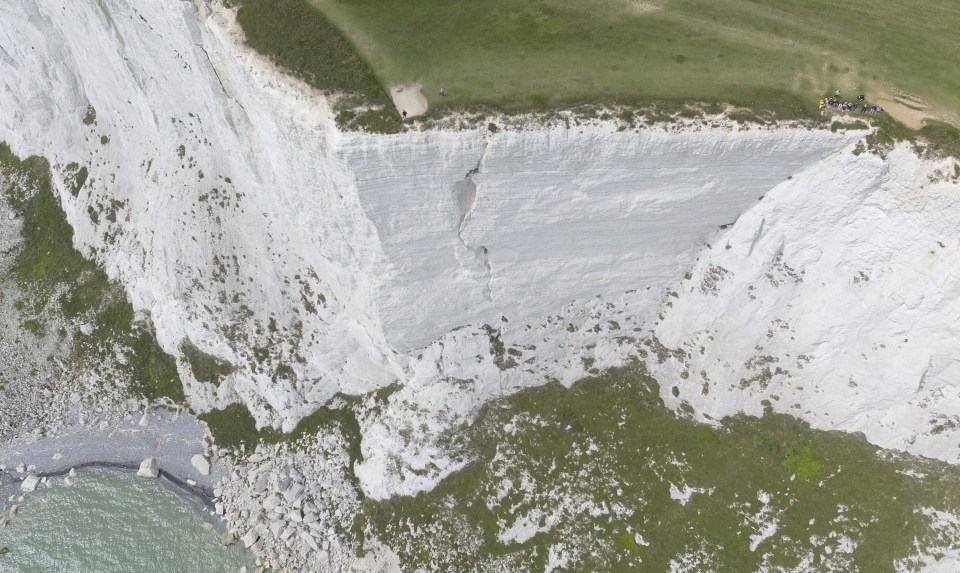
<point>271,502</point>
<point>309,540</point>
<point>250,538</point>
<point>276,528</point>
<point>201,463</point>
<point>29,483</point>
<point>148,468</point>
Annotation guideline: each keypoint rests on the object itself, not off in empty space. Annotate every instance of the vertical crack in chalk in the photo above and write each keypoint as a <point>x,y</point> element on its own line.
<point>756,236</point>
<point>220,81</point>
<point>465,192</point>
<point>7,59</point>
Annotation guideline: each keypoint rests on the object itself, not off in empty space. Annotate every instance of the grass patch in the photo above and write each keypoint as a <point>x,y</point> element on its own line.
<point>46,259</point>
<point>57,279</point>
<point>940,139</point>
<point>153,372</point>
<point>34,326</point>
<point>90,117</point>
<point>888,132</point>
<point>804,463</point>
<point>82,175</point>
<point>206,368</point>
<point>235,428</point>
<point>838,125</point>
<point>594,472</point>
<point>299,38</point>
<point>379,120</point>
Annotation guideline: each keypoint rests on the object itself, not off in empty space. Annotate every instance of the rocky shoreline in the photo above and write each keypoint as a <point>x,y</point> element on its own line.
<point>187,485</point>
<point>176,442</point>
<point>291,504</point>
<point>172,438</point>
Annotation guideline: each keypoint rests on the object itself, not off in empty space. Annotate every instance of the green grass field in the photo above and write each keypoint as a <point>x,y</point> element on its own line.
<point>532,54</point>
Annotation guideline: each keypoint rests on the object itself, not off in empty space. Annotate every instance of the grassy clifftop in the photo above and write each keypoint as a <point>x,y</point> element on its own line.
<point>521,54</point>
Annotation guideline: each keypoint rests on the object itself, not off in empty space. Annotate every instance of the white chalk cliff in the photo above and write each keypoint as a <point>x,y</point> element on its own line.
<point>464,264</point>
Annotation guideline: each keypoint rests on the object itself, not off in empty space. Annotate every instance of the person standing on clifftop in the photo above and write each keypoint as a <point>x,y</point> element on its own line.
<point>443,92</point>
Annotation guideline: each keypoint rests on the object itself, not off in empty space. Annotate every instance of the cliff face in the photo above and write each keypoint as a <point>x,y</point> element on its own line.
<point>514,258</point>
<point>219,201</point>
<point>835,300</point>
<point>477,226</point>
<point>465,264</point>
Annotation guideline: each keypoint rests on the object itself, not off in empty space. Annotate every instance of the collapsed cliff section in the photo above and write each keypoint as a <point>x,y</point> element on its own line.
<point>523,256</point>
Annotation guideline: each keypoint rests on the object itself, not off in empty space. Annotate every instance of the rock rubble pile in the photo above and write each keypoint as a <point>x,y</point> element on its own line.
<point>293,505</point>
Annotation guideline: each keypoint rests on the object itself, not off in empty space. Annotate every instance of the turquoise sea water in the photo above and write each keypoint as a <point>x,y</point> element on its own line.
<point>112,521</point>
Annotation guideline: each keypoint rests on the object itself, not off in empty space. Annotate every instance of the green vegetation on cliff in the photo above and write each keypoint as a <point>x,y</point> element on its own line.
<point>603,477</point>
<point>296,36</point>
<point>60,284</point>
<point>235,428</point>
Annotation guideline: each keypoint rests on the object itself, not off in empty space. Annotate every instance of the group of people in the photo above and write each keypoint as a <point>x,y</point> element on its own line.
<point>836,102</point>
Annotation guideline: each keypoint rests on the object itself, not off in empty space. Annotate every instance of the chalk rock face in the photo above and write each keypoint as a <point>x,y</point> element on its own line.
<point>477,226</point>
<point>836,299</point>
<point>148,468</point>
<point>232,222</point>
<point>201,463</point>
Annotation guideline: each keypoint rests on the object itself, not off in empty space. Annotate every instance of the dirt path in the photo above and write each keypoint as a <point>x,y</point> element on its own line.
<point>408,98</point>
<point>912,118</point>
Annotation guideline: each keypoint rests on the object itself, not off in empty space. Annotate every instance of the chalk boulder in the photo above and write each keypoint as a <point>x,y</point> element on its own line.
<point>250,538</point>
<point>29,483</point>
<point>148,468</point>
<point>201,463</point>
